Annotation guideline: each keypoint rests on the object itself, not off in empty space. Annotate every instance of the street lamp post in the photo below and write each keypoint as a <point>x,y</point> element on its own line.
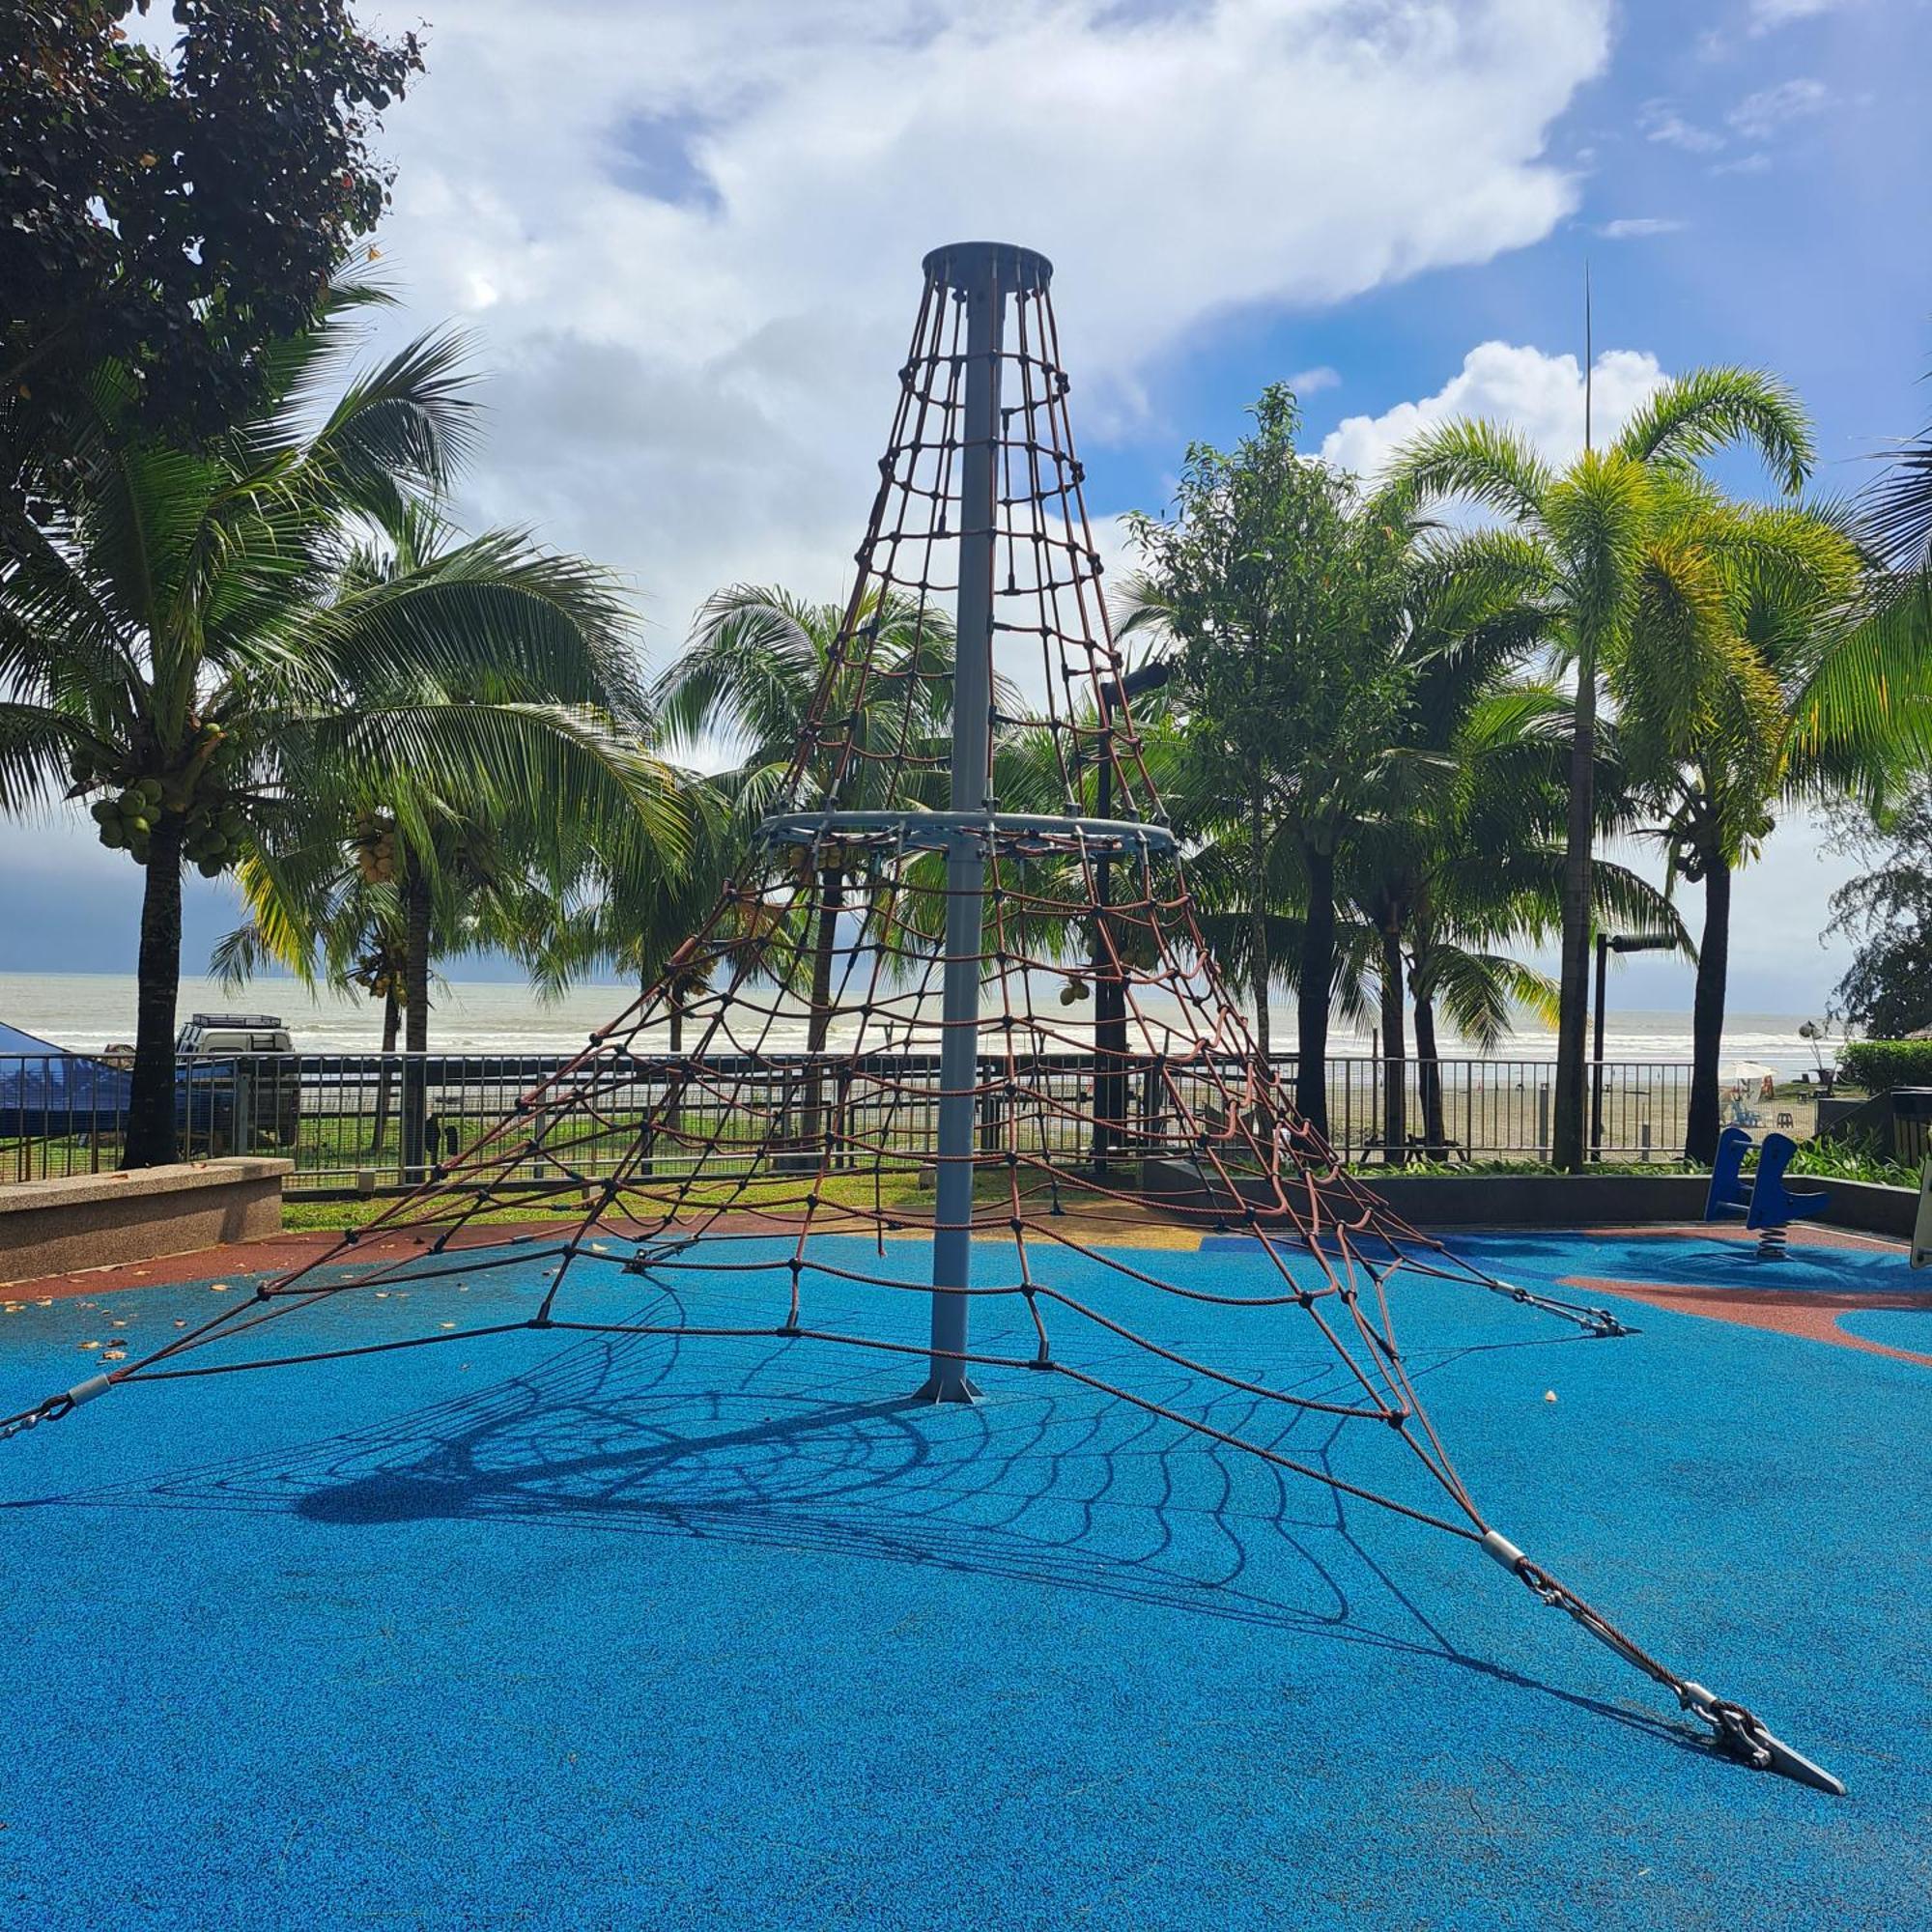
<point>1606,944</point>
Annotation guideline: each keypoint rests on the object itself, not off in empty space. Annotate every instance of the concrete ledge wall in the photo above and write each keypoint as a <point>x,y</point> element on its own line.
<point>1561,1200</point>
<point>1864,1203</point>
<point>90,1220</point>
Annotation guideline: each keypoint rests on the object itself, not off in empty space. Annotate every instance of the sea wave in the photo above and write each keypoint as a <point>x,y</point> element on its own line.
<point>87,1011</point>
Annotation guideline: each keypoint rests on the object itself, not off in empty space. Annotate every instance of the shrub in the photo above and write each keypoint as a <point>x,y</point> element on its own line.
<point>1877,1064</point>
<point>1832,1160</point>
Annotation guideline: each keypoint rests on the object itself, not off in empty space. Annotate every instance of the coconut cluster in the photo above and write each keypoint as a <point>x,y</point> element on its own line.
<point>211,832</point>
<point>213,835</point>
<point>128,820</point>
<point>375,843</point>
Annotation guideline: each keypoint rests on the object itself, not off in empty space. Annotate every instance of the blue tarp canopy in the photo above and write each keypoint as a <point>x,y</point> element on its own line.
<point>46,1090</point>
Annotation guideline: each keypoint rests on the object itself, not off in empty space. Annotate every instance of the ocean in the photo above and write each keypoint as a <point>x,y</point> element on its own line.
<point>86,1011</point>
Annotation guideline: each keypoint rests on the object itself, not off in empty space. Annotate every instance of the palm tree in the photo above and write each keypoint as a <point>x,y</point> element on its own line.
<point>196,642</point>
<point>1617,570</point>
<point>1774,714</point>
<point>1453,892</point>
<point>849,705</point>
<point>635,904</point>
<point>344,930</point>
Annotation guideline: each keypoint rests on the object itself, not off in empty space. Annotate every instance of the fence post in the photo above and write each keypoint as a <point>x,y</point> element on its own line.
<point>1543,1119</point>
<point>244,1071</point>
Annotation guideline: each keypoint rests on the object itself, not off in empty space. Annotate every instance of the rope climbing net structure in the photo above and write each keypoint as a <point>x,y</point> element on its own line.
<point>969,908</point>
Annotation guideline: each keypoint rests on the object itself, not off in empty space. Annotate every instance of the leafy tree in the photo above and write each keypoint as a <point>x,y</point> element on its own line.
<point>197,644</point>
<point>1617,570</point>
<point>1286,608</point>
<point>176,216</point>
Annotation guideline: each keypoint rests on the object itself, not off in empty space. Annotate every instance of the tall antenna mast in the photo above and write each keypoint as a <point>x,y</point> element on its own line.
<point>1589,355</point>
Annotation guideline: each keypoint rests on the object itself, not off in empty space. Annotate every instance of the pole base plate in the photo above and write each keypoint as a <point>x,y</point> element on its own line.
<point>948,1386</point>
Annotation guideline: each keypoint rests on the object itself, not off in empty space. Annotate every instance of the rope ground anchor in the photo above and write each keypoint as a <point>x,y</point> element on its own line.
<point>1738,1732</point>
<point>55,1407</point>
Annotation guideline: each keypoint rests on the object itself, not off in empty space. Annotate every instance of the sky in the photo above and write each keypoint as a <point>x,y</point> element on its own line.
<point>685,238</point>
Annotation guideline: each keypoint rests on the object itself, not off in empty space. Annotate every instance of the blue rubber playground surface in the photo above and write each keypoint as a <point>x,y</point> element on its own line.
<point>550,1630</point>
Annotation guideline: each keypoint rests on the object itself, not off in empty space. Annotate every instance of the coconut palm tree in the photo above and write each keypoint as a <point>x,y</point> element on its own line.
<point>635,904</point>
<point>1453,891</point>
<point>194,644</point>
<point>848,704</point>
<point>1776,715</point>
<point>1617,570</point>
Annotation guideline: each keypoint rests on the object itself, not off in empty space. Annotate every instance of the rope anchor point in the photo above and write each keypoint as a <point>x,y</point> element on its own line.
<point>1739,1732</point>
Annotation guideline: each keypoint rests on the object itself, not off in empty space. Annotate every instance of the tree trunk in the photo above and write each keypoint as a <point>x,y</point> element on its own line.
<point>1318,978</point>
<point>1395,1057</point>
<point>1429,1080</point>
<point>392,1019</point>
<point>1258,933</point>
<point>819,1023</point>
<point>1573,1021</point>
<point>151,1140</point>
<point>1707,1012</point>
<point>416,1016</point>
<point>674,995</point>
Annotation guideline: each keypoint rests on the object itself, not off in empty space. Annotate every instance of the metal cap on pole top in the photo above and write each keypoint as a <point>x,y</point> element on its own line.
<point>970,265</point>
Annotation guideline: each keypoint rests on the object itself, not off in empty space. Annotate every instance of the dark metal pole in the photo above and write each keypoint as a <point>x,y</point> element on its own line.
<point>1597,1076</point>
<point>1107,989</point>
<point>974,274</point>
<point>1110,991</point>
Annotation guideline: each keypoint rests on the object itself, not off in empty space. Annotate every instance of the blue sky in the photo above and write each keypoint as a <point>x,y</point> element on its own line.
<point>687,241</point>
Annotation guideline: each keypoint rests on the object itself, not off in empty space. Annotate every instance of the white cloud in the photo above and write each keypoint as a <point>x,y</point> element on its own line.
<point>1759,115</point>
<point>1541,395</point>
<point>1659,121</point>
<point>700,266</point>
<point>1766,15</point>
<point>1639,227</point>
<point>1311,382</point>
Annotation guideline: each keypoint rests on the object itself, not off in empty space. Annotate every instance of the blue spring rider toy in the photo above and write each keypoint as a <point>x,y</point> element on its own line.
<point>1768,1205</point>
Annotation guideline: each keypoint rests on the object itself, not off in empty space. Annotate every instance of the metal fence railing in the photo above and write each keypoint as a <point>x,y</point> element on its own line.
<point>346,1119</point>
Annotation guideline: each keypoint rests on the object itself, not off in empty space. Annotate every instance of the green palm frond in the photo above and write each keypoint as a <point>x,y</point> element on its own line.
<point>1481,992</point>
<point>1896,514</point>
<point>36,743</point>
<point>410,422</point>
<point>1478,461</point>
<point>1872,689</point>
<point>1711,409</point>
<point>495,617</point>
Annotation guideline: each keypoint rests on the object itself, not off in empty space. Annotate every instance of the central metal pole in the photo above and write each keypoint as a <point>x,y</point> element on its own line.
<point>973,272</point>
<point>1597,1077</point>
